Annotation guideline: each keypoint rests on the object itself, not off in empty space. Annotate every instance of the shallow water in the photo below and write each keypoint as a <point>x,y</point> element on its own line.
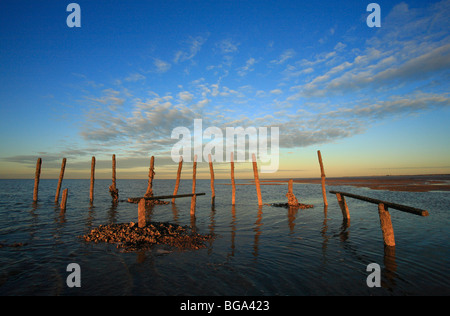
<point>257,251</point>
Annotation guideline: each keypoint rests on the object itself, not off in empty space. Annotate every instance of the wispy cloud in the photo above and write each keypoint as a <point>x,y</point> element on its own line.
<point>161,66</point>
<point>192,47</point>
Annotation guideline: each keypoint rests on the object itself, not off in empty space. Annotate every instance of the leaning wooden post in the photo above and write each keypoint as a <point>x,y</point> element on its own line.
<point>211,170</point>
<point>343,206</point>
<point>36,179</point>
<point>322,175</point>
<point>64,200</point>
<point>177,184</point>
<point>141,213</point>
<point>255,172</point>
<point>193,199</point>
<point>233,185</point>
<point>91,190</point>
<point>386,225</point>
<point>151,174</point>
<point>61,176</point>
<point>112,188</point>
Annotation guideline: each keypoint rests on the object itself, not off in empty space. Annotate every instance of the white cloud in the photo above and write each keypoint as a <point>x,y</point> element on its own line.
<point>287,54</point>
<point>134,77</point>
<point>248,67</point>
<point>276,91</point>
<point>161,66</point>
<point>193,46</point>
<point>227,46</point>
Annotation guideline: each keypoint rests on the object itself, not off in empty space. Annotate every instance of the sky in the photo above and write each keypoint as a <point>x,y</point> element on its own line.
<point>373,100</point>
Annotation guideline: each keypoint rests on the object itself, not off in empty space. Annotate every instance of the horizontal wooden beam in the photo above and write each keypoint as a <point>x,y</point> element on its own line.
<point>396,206</point>
<point>161,197</point>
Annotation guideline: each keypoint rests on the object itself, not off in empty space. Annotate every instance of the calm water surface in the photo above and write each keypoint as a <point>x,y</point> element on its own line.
<point>257,251</point>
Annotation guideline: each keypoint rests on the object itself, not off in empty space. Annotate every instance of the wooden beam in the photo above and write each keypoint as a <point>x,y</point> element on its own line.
<point>162,197</point>
<point>400,207</point>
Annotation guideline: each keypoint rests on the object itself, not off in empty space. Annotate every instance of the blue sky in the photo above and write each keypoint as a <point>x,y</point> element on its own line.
<point>373,100</point>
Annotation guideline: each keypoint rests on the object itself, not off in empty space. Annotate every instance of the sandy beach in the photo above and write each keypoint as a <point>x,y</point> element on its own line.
<point>413,183</point>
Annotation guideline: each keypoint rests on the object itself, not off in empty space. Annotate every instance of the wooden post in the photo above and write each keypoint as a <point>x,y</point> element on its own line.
<point>64,199</point>
<point>211,170</point>
<point>322,175</point>
<point>292,200</point>
<point>112,188</point>
<point>36,179</point>
<point>255,172</point>
<point>343,205</point>
<point>233,185</point>
<point>193,199</point>
<point>91,190</point>
<point>141,213</point>
<point>177,184</point>
<point>61,176</point>
<point>151,174</point>
<point>386,225</point>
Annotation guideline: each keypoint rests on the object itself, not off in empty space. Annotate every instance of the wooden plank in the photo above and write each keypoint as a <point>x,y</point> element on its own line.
<point>400,207</point>
<point>162,197</point>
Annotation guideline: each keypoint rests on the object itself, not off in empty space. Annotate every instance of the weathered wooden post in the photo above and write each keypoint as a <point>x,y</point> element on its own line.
<point>193,199</point>
<point>91,190</point>
<point>255,172</point>
<point>64,199</point>
<point>211,170</point>
<point>386,225</point>
<point>292,200</point>
<point>141,213</point>
<point>233,185</point>
<point>61,176</point>
<point>177,183</point>
<point>37,176</point>
<point>322,175</point>
<point>343,206</point>
<point>112,188</point>
<point>151,174</point>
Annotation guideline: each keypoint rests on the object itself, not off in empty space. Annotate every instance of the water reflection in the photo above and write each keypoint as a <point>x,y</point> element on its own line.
<point>257,230</point>
<point>112,212</point>
<point>233,229</point>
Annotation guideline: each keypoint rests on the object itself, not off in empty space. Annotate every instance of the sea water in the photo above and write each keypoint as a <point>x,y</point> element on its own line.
<point>256,250</point>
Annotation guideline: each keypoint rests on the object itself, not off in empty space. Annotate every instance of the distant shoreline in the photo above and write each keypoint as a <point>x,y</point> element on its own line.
<point>405,183</point>
<point>410,183</point>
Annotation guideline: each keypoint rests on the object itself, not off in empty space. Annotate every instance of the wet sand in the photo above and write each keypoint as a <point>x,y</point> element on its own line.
<point>414,183</point>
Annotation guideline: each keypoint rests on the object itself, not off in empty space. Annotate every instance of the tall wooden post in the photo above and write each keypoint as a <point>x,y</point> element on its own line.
<point>37,176</point>
<point>292,200</point>
<point>255,172</point>
<point>141,213</point>
<point>233,185</point>
<point>211,170</point>
<point>112,188</point>
<point>61,176</point>
<point>177,183</point>
<point>386,225</point>
<point>91,189</point>
<point>64,200</point>
<point>193,199</point>
<point>151,174</point>
<point>322,175</point>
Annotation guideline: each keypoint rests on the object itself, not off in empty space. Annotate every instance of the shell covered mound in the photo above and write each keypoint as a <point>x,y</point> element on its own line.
<point>131,237</point>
